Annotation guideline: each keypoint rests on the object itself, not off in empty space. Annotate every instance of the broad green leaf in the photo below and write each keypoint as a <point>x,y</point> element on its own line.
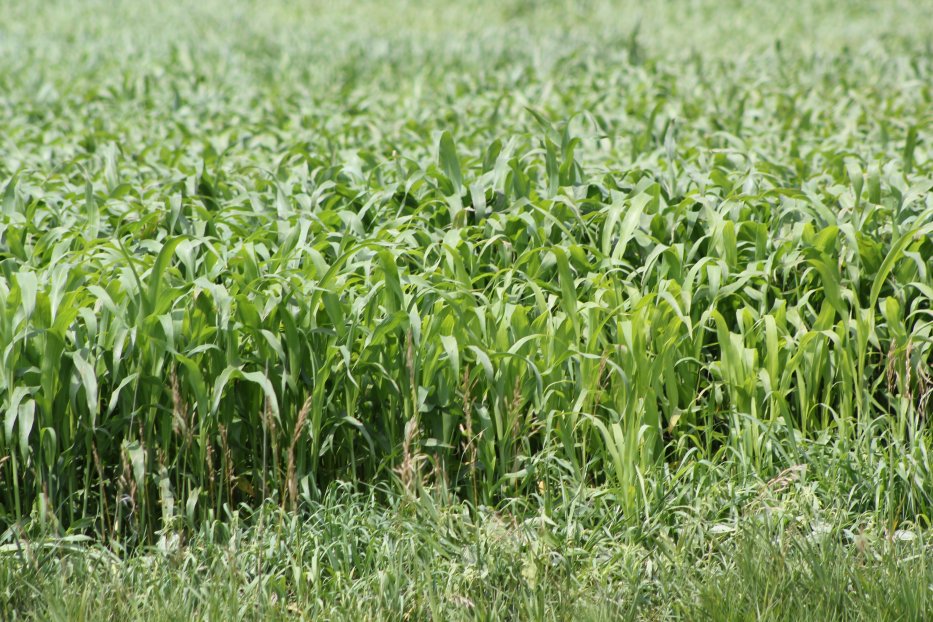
<point>449,162</point>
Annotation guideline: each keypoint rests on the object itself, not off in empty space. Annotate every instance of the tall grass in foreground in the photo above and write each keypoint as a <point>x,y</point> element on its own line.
<point>231,282</point>
<point>353,557</point>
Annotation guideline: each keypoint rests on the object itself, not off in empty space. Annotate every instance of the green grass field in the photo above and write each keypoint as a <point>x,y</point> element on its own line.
<point>486,310</point>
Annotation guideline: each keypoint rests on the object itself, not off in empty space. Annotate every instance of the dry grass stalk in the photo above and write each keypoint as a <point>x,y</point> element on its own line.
<point>180,422</point>
<point>209,458</point>
<point>466,428</point>
<point>228,461</point>
<point>291,477</point>
<point>411,459</point>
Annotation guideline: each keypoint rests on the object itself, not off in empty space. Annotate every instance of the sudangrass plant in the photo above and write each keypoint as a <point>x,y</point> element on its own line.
<point>235,270</point>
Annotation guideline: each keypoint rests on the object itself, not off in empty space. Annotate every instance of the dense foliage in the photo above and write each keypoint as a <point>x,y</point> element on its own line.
<point>247,253</point>
<point>477,310</point>
<point>355,557</point>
